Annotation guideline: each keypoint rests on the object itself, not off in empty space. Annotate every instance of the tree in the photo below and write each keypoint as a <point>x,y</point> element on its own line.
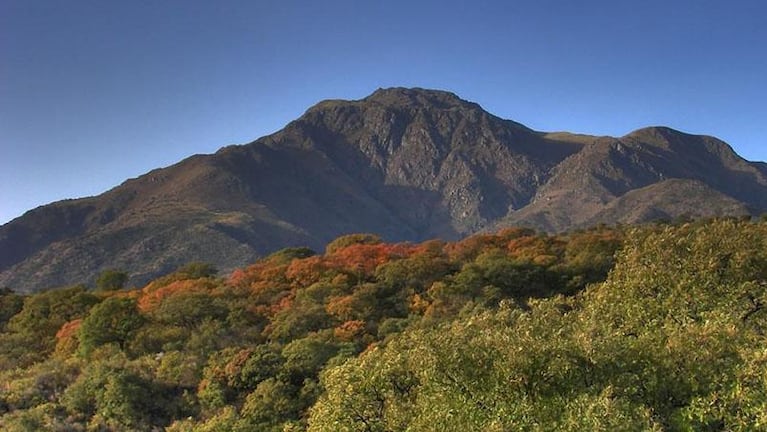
<point>112,321</point>
<point>31,333</point>
<point>351,239</point>
<point>115,394</point>
<point>196,270</point>
<point>285,256</point>
<point>189,309</point>
<point>111,280</point>
<point>269,405</point>
<point>10,305</point>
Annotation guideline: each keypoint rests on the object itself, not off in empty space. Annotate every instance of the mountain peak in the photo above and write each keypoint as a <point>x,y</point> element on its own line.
<point>400,98</point>
<point>418,97</point>
<point>656,132</point>
<point>406,105</point>
<point>690,145</point>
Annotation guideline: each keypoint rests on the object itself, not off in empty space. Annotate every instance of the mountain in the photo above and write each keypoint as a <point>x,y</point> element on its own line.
<point>407,164</point>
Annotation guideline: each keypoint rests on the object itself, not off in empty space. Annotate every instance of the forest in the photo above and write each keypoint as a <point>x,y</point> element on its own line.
<point>659,327</point>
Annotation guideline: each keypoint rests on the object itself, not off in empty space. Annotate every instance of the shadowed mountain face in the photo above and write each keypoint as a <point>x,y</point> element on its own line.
<point>408,164</point>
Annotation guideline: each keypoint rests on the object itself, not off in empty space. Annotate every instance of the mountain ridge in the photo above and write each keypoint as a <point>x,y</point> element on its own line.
<point>408,164</point>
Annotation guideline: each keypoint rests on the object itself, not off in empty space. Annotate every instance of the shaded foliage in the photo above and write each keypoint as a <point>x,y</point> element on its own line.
<point>111,279</point>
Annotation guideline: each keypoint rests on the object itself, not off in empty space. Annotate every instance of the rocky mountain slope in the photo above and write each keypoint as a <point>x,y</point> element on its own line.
<point>408,164</point>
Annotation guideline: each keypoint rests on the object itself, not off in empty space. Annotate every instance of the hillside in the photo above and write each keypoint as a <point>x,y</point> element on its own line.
<point>659,327</point>
<point>407,164</point>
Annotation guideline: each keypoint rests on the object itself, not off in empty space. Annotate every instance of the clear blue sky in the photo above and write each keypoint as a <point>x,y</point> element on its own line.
<point>95,92</point>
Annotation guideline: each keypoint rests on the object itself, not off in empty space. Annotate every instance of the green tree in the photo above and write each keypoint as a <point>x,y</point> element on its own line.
<point>113,393</point>
<point>351,239</point>
<point>112,321</point>
<point>269,405</point>
<point>285,256</point>
<point>112,279</point>
<point>196,270</point>
<point>10,305</point>
<point>305,357</point>
<point>188,310</point>
<point>31,334</point>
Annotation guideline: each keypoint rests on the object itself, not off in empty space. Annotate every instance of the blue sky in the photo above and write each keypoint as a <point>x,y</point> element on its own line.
<point>95,92</point>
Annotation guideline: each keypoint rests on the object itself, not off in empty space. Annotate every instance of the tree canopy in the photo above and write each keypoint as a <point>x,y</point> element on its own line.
<point>659,327</point>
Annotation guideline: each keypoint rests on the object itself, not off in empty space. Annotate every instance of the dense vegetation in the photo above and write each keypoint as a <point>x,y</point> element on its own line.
<point>508,331</point>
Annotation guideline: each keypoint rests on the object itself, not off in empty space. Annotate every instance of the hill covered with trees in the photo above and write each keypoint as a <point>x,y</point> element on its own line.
<point>659,327</point>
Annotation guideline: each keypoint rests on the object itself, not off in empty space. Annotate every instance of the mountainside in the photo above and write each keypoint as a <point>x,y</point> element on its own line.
<point>407,164</point>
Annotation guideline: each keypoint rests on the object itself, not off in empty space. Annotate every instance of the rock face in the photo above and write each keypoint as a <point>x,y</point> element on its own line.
<point>408,164</point>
